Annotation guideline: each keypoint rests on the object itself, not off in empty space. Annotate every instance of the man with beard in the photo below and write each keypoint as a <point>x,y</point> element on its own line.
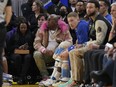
<point>98,34</point>
<point>80,9</point>
<point>107,75</point>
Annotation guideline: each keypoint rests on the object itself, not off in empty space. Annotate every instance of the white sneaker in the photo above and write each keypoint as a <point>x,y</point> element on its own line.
<point>49,82</point>
<point>41,83</point>
<point>7,78</point>
<point>6,84</point>
<point>64,79</point>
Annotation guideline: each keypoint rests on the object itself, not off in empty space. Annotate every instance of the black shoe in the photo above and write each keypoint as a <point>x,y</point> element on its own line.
<point>101,84</point>
<point>22,82</point>
<point>15,78</point>
<point>96,75</point>
<point>32,82</point>
<point>98,72</point>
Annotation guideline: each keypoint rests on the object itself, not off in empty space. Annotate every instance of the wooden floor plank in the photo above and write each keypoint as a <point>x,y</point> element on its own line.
<point>15,85</point>
<point>21,86</point>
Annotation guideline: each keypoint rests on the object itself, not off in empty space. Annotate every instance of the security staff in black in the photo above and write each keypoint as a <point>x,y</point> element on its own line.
<point>5,16</point>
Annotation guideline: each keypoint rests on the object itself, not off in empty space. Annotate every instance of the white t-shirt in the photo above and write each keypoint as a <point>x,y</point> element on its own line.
<point>73,8</point>
<point>52,41</point>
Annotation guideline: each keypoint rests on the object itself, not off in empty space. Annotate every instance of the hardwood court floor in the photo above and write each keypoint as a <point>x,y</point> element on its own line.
<point>22,86</point>
<point>15,85</point>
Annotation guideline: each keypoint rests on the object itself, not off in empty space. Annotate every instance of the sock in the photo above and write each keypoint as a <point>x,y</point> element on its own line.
<point>57,65</point>
<point>57,75</point>
<point>65,73</point>
<point>65,69</point>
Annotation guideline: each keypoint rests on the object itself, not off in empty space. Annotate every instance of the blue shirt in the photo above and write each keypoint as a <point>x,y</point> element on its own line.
<point>82,32</point>
<point>109,18</point>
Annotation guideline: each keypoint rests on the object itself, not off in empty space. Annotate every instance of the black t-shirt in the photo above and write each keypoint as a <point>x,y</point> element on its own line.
<point>9,3</point>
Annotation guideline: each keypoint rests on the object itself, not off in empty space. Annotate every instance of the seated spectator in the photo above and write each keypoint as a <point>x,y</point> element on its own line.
<point>71,8</point>
<point>106,61</point>
<point>37,8</point>
<point>53,33</point>
<point>11,33</point>
<point>104,6</point>
<point>80,9</point>
<point>63,13</point>
<point>21,40</point>
<point>42,17</point>
<point>95,59</point>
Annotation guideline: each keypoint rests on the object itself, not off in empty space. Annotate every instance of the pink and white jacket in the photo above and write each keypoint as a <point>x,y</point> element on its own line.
<point>42,36</point>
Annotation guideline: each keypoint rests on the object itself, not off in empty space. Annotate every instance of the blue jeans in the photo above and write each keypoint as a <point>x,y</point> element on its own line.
<point>108,66</point>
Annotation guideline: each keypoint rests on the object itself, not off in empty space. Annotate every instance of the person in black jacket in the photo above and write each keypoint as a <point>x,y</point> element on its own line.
<point>22,40</point>
<point>55,8</point>
<point>37,8</point>
<point>26,9</point>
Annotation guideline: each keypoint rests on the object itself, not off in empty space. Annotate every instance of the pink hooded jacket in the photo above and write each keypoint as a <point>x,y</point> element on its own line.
<point>42,36</point>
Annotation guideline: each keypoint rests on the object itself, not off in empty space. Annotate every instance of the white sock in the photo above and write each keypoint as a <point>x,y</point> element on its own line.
<point>57,75</point>
<point>57,64</point>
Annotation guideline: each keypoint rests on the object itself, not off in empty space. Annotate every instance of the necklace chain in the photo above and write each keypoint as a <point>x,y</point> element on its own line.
<point>53,34</point>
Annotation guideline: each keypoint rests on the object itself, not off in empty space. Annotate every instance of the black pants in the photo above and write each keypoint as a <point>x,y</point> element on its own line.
<point>108,70</point>
<point>2,41</point>
<point>21,64</point>
<point>97,59</point>
<point>88,68</point>
<point>93,61</point>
